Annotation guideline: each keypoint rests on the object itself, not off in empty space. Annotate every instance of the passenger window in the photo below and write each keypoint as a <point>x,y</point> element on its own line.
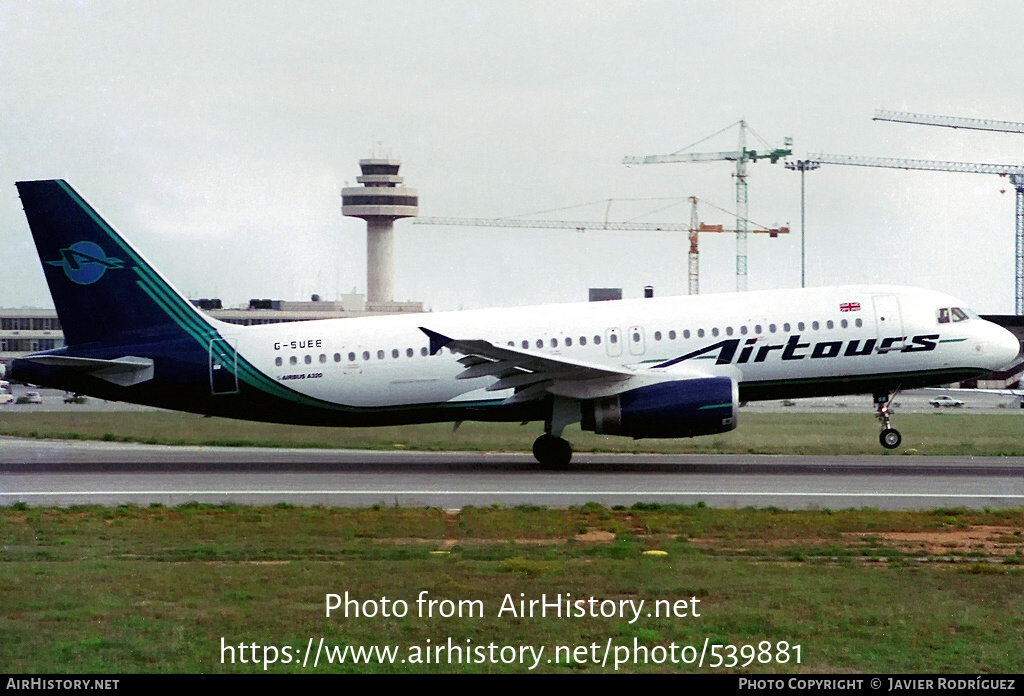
<point>743,330</point>
<point>614,338</point>
<point>526,344</point>
<point>814,325</point>
<point>568,342</point>
<point>423,352</point>
<point>554,342</point>
<point>771,328</point>
<point>583,340</point>
<point>293,360</point>
<point>859,323</point>
<point>829,324</point>
<point>351,357</point>
<point>597,340</point>
<point>785,327</point>
<point>657,335</point>
<point>540,342</point>
<point>409,353</point>
<point>844,323</point>
<point>278,362</point>
<point>714,331</point>
<point>757,328</point>
<point>394,352</point>
<point>366,355</point>
<point>686,333</point>
<point>308,359</point>
<point>323,358</point>
<point>636,337</point>
<point>380,355</point>
<point>800,326</point>
<point>700,333</point>
<point>672,335</point>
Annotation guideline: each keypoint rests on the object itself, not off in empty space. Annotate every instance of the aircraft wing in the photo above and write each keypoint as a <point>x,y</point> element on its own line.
<point>533,375</point>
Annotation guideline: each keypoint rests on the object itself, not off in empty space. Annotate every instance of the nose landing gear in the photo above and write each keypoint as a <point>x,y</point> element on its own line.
<point>889,438</point>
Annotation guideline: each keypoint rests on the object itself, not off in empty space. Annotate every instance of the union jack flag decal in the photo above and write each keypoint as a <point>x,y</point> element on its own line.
<point>849,306</point>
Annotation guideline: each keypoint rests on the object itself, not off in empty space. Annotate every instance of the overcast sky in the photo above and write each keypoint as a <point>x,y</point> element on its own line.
<point>216,137</point>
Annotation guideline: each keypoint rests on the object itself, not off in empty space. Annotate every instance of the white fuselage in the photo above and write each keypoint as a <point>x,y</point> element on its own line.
<point>834,338</point>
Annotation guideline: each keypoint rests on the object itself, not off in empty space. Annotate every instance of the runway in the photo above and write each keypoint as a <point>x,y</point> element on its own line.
<point>64,473</point>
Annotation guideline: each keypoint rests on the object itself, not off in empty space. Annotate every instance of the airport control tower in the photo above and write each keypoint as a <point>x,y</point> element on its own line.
<point>380,201</point>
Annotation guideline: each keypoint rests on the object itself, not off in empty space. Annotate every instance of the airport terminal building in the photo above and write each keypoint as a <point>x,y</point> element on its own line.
<point>24,331</point>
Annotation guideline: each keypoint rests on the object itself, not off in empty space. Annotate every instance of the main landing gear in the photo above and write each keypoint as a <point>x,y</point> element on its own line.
<point>551,451</point>
<point>890,438</point>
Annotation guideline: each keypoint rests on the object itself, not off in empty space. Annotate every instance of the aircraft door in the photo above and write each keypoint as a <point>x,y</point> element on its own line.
<point>888,323</point>
<point>613,342</point>
<point>223,367</point>
<point>635,337</point>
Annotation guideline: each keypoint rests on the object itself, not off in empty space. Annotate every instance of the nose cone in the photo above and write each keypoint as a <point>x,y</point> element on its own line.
<point>1003,347</point>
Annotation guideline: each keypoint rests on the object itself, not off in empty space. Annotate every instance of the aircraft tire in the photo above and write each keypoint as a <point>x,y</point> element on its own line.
<point>552,452</point>
<point>890,438</point>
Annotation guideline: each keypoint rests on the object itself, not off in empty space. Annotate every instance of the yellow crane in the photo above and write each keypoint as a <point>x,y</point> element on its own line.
<point>693,229</point>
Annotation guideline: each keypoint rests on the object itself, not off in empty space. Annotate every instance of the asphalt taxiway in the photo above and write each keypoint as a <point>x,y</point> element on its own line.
<point>63,473</point>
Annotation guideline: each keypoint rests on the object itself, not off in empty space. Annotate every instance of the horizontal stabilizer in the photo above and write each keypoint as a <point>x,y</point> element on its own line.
<point>124,371</point>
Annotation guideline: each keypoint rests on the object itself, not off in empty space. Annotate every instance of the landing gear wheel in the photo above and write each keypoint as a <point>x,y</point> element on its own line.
<point>552,452</point>
<point>890,438</point>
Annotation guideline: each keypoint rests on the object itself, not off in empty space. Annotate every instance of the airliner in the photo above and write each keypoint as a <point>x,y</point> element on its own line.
<point>650,368</point>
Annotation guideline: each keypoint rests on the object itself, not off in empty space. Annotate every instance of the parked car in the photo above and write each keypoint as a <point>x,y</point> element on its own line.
<point>31,397</point>
<point>5,398</point>
<point>943,400</point>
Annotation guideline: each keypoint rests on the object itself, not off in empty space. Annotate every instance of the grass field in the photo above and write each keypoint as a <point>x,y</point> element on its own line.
<point>197,588</point>
<point>939,433</point>
<point>122,590</point>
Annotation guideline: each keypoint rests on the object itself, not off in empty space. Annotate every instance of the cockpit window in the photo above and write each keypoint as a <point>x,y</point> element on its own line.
<point>954,314</point>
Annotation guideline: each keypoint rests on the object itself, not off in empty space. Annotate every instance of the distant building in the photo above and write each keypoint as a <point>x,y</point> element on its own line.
<point>24,331</point>
<point>277,311</point>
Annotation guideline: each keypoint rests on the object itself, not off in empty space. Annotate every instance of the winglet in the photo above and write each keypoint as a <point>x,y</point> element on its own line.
<point>437,341</point>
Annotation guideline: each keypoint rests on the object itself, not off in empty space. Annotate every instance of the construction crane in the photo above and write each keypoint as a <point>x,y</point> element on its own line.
<point>741,155</point>
<point>949,121</point>
<point>693,229</point>
<point>1015,173</point>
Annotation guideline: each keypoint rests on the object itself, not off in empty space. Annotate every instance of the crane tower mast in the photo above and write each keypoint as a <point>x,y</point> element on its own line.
<point>1015,173</point>
<point>741,155</point>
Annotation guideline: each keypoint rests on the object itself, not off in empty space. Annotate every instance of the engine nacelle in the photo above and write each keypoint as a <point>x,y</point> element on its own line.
<point>678,408</point>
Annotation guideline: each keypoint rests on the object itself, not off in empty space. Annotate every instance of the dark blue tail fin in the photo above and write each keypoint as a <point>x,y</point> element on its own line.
<point>104,291</point>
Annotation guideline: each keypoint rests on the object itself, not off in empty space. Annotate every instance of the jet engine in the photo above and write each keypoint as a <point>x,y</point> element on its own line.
<point>676,408</point>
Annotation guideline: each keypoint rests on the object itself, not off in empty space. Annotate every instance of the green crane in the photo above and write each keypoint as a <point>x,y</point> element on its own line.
<point>741,155</point>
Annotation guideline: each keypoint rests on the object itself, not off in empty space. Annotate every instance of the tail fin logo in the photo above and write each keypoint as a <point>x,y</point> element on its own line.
<point>85,262</point>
